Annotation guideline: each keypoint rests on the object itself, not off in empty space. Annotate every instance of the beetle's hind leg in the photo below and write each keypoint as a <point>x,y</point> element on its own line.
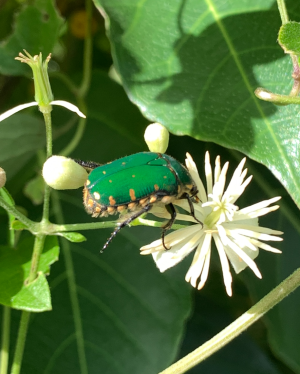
<point>170,208</point>
<point>132,217</point>
<point>189,200</point>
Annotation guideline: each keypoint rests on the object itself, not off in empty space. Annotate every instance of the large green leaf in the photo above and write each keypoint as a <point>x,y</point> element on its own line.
<point>20,136</point>
<point>108,103</point>
<point>14,270</point>
<point>194,66</point>
<point>36,29</point>
<point>129,319</point>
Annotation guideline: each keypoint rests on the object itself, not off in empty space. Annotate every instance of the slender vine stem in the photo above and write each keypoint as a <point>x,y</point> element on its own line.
<point>72,289</point>
<point>85,83</point>
<point>48,124</point>
<point>87,57</point>
<point>5,340</point>
<point>283,12</point>
<point>12,210</point>
<point>35,259</point>
<point>37,251</point>
<point>237,327</point>
<point>54,228</point>
<point>18,356</point>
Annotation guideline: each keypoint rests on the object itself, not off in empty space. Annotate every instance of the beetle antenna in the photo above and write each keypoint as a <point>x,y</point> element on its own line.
<point>89,165</point>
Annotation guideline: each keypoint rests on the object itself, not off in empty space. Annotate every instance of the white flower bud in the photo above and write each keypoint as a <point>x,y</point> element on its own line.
<point>2,178</point>
<point>62,173</point>
<point>157,137</point>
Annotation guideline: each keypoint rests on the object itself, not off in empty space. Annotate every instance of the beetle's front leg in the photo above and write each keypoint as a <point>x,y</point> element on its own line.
<point>189,200</point>
<point>170,208</point>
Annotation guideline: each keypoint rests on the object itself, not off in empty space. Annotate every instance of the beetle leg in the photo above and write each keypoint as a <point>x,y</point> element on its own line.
<point>127,222</point>
<point>189,199</point>
<point>170,208</point>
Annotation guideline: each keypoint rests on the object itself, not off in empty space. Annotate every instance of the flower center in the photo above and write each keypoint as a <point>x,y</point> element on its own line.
<point>222,210</point>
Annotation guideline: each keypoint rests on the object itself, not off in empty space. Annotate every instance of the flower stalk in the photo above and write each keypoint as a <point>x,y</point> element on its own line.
<point>237,327</point>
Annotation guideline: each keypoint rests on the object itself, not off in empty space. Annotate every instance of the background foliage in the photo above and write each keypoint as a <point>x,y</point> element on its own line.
<point>193,66</point>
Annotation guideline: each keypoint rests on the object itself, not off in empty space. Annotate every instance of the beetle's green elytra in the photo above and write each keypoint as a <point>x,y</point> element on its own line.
<point>135,183</point>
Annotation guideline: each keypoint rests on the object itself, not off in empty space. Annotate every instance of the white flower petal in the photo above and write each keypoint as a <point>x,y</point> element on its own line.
<point>198,260</point>
<point>245,257</point>
<point>265,246</point>
<point>259,235</point>
<point>225,265</point>
<point>165,259</point>
<point>71,107</point>
<point>16,109</point>
<point>217,171</point>
<point>219,186</point>
<point>190,164</point>
<point>205,270</point>
<point>171,239</point>
<point>260,205</point>
<point>208,175</point>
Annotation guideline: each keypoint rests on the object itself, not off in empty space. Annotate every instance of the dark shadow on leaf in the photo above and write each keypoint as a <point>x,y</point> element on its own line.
<point>217,79</point>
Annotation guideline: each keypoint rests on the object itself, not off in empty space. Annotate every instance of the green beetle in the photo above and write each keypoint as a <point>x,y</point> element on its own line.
<point>136,183</point>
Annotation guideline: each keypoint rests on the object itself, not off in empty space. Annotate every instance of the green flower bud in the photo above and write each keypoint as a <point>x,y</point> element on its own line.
<point>2,178</point>
<point>157,138</point>
<point>62,173</point>
<point>43,93</point>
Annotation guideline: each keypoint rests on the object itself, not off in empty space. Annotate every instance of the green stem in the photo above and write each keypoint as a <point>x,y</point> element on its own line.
<point>283,12</point>
<point>85,84</point>
<point>5,340</point>
<point>46,207</point>
<point>16,366</point>
<point>48,124</point>
<point>266,95</point>
<point>72,289</point>
<point>35,259</point>
<point>53,228</point>
<point>237,327</point>
<point>87,58</point>
<point>13,211</point>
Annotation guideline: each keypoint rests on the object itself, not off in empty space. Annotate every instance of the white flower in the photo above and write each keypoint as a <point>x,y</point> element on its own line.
<point>43,94</point>
<point>236,233</point>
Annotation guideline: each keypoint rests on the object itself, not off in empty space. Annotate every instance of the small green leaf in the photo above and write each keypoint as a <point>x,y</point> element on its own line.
<point>18,225</point>
<point>289,37</point>
<point>7,196</point>
<point>36,29</point>
<point>74,237</point>
<point>14,271</point>
<point>34,297</point>
<point>34,190</point>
